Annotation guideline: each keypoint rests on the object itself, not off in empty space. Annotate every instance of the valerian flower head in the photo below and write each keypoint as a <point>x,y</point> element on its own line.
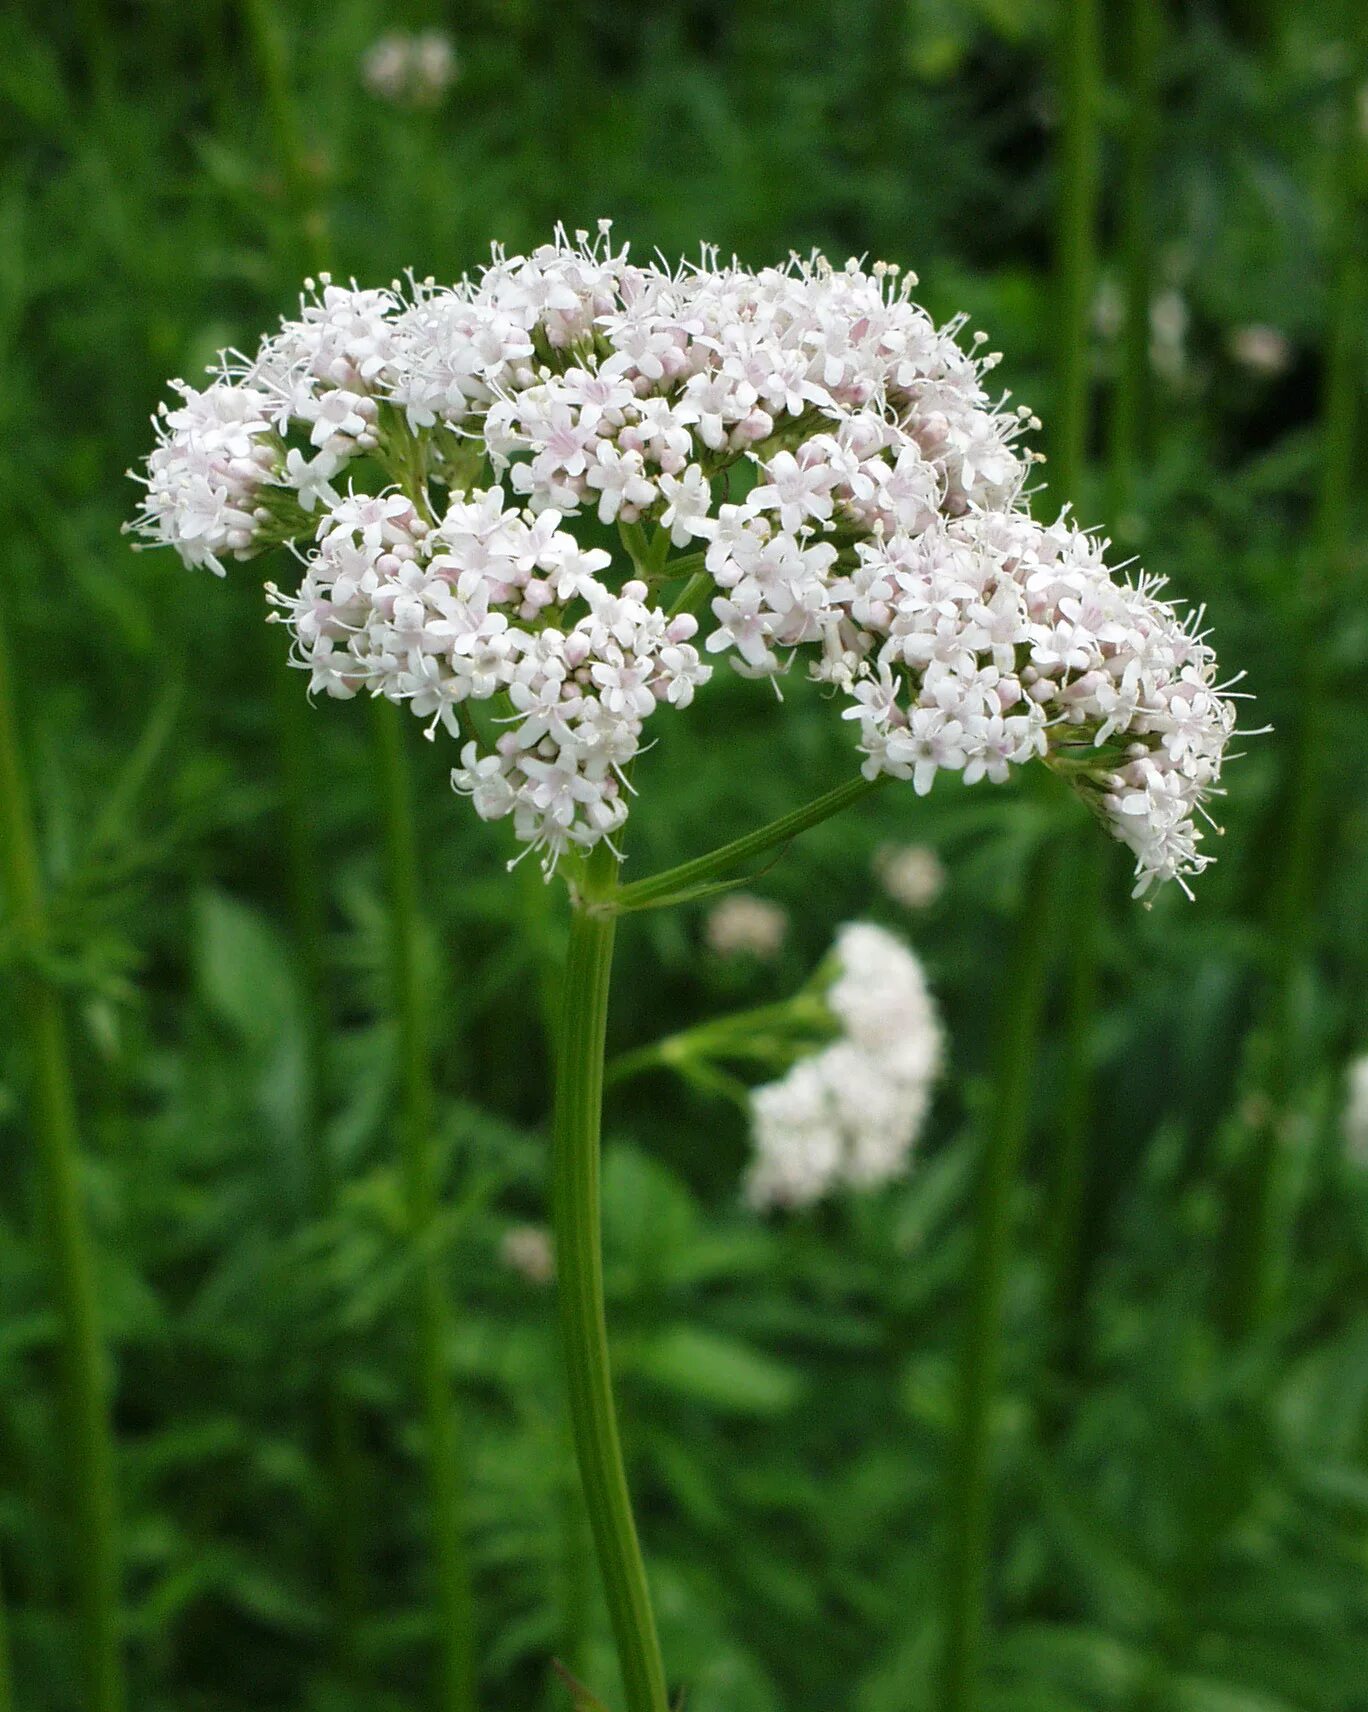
<point>847,1115</point>
<point>447,462</point>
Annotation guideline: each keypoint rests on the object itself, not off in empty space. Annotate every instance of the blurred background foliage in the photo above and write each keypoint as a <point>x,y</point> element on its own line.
<point>1182,1510</point>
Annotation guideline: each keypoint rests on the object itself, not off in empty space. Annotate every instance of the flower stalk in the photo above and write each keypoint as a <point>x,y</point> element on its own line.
<point>87,1428</point>
<point>695,879</point>
<point>579,1263</point>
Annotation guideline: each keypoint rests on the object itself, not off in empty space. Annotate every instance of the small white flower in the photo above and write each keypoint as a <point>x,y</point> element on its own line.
<point>528,1251</point>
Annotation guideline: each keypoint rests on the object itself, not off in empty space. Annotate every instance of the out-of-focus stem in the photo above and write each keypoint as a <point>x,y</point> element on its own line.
<point>455,1610</point>
<point>579,1284</point>
<point>1130,413</point>
<point>435,1320</point>
<point>1070,1166</point>
<point>308,924</point>
<point>335,1423</point>
<point>6,1668</point>
<point>88,1437</point>
<point>1292,925</point>
<point>1075,240</point>
<point>969,1510</point>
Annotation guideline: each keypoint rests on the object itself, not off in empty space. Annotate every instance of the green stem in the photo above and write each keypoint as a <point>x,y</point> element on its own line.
<point>89,1440</point>
<point>269,51</point>
<point>579,1270</point>
<point>1076,239</point>
<point>676,885</point>
<point>1075,242</point>
<point>1258,1215</point>
<point>6,1669</point>
<point>435,1318</point>
<point>575,1568</point>
<point>970,1490</point>
<point>334,1425</point>
<point>455,1605</point>
<point>1070,1165</point>
<point>1131,415</point>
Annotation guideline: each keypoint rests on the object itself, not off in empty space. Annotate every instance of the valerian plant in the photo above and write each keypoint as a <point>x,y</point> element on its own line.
<point>534,505</point>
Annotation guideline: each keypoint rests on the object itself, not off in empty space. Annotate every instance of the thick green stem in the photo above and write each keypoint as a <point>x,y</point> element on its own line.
<point>969,1511</point>
<point>89,1450</point>
<point>455,1604</point>
<point>693,878</point>
<point>579,1272</point>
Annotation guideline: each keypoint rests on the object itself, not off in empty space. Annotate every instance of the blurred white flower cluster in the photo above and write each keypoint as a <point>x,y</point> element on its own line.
<point>847,1116</point>
<point>742,925</point>
<point>410,69</point>
<point>856,492</point>
<point>1356,1112</point>
<point>911,874</point>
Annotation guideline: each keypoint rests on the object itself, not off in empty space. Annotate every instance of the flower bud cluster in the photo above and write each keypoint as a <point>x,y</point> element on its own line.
<point>807,434</point>
<point>848,1115</point>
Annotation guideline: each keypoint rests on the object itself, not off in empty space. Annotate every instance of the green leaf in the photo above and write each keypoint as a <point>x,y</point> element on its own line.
<point>718,1371</point>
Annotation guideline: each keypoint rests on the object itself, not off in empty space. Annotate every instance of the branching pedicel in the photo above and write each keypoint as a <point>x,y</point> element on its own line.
<point>857,494</point>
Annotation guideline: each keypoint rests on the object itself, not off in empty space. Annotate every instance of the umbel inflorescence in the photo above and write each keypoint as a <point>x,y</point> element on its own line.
<point>797,453</point>
<point>847,1115</point>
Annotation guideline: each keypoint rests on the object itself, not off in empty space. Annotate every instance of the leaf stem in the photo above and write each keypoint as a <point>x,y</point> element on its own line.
<point>969,1509</point>
<point>88,1434</point>
<point>579,1271</point>
<point>674,885</point>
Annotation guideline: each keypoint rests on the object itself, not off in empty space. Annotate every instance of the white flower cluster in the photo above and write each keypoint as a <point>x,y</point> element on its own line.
<point>847,1116</point>
<point>410,69</point>
<point>853,491</point>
